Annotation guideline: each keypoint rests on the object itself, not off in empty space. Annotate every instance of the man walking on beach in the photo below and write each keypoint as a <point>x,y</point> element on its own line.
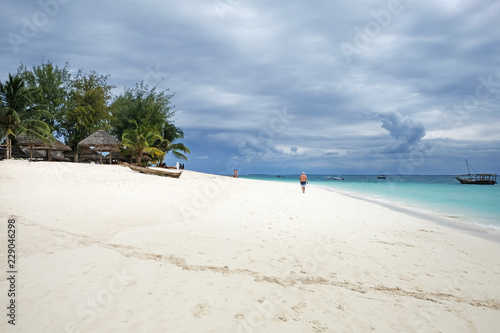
<point>303,182</point>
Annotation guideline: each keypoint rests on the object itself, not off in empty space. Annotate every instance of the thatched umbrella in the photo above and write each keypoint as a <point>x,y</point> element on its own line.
<point>32,143</point>
<point>57,146</point>
<point>37,144</point>
<point>101,140</point>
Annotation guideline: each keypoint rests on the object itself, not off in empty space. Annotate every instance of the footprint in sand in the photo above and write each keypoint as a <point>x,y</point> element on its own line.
<point>201,309</point>
<point>239,316</point>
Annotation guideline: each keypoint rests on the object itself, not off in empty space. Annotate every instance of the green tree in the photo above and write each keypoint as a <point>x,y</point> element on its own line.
<point>150,107</point>
<point>50,85</point>
<point>19,115</point>
<point>86,109</point>
<point>171,133</point>
<point>144,106</point>
<point>141,140</point>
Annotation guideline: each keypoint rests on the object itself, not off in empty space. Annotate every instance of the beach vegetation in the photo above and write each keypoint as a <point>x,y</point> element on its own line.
<point>47,100</point>
<point>20,114</point>
<point>50,85</point>
<point>149,108</point>
<point>142,140</point>
<point>170,134</point>
<point>86,109</point>
<point>142,104</point>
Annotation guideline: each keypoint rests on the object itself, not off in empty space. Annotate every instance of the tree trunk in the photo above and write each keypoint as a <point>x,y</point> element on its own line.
<point>160,162</point>
<point>9,147</point>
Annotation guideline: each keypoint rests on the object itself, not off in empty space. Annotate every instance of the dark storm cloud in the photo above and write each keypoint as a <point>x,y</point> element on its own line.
<point>404,130</point>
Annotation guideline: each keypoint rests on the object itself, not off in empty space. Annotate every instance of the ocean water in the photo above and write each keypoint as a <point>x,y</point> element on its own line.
<point>444,195</point>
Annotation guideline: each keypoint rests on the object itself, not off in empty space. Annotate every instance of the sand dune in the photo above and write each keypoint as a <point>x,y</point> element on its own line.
<point>104,249</point>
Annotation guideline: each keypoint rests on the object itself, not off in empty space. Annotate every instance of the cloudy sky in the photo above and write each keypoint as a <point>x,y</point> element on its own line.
<point>280,87</point>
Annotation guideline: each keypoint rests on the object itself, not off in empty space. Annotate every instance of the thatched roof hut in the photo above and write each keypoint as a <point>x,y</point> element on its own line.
<point>32,143</point>
<point>38,144</point>
<point>59,146</point>
<point>101,141</point>
<point>26,141</point>
<point>56,149</point>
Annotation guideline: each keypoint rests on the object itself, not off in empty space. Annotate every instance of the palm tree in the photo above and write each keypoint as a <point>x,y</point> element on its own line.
<point>19,114</point>
<point>142,140</point>
<point>170,134</point>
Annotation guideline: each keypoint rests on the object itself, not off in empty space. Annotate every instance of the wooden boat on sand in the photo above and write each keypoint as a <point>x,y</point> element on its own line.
<point>155,172</point>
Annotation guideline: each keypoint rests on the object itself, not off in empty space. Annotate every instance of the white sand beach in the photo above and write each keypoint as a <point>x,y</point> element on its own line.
<point>102,248</point>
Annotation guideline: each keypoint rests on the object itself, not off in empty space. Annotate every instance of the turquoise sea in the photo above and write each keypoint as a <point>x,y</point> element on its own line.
<point>444,195</point>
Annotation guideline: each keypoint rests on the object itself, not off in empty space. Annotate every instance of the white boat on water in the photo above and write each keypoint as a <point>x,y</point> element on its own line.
<point>338,178</point>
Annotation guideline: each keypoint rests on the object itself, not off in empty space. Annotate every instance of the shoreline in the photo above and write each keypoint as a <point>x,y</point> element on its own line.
<point>105,248</point>
<point>489,232</point>
<point>467,223</point>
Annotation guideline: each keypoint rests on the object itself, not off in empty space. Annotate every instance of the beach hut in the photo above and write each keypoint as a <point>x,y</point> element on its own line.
<point>53,145</point>
<point>32,143</point>
<point>4,149</point>
<point>56,149</point>
<point>100,141</point>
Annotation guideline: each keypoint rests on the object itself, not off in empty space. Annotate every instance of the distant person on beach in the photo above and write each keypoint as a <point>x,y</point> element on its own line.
<point>235,173</point>
<point>303,182</point>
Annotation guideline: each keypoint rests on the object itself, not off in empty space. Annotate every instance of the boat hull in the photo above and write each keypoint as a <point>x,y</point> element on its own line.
<point>162,173</point>
<point>475,182</point>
